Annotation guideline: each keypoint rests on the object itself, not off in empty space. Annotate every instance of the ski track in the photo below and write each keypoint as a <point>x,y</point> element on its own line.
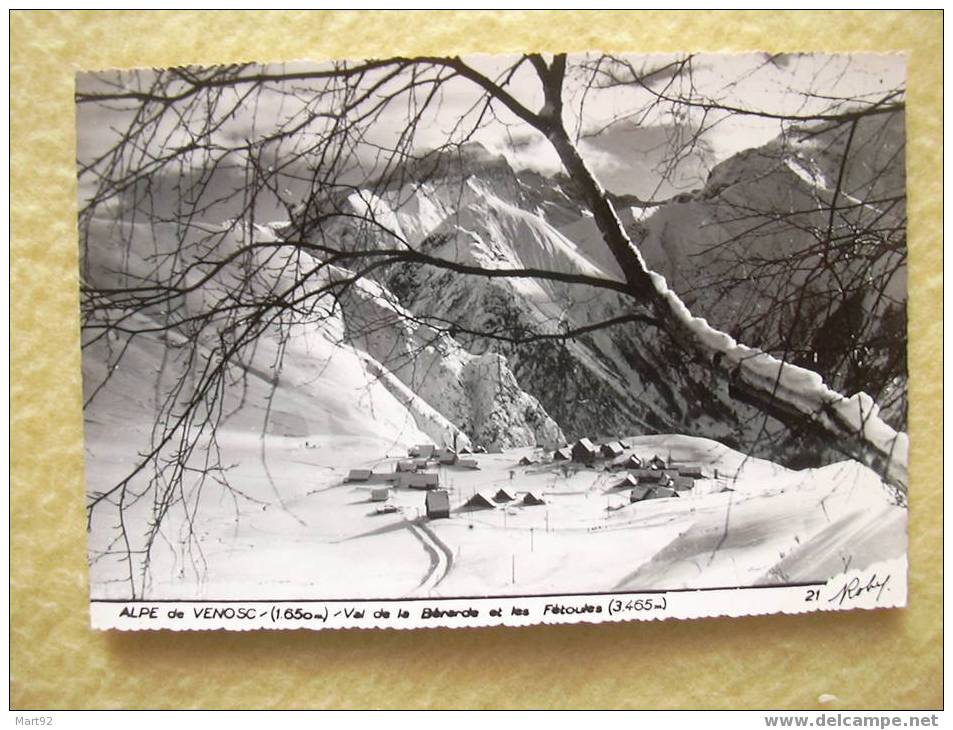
<point>432,555</point>
<point>441,557</point>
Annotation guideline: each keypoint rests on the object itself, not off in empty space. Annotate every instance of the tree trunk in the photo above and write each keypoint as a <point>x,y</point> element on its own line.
<point>796,397</point>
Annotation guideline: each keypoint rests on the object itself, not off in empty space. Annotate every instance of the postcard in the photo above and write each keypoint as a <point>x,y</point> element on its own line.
<point>493,340</point>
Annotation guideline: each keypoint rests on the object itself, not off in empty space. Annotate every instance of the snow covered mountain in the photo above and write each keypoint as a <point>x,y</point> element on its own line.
<point>472,208</point>
<point>442,344</point>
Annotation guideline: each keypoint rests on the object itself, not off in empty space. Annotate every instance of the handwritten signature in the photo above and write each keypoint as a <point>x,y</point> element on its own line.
<point>855,588</point>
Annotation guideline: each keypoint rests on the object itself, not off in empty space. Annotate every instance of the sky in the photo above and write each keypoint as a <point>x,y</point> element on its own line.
<point>635,133</point>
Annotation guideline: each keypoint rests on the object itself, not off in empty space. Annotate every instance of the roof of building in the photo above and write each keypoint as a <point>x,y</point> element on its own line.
<point>613,448</point>
<point>684,483</point>
<point>639,493</point>
<point>359,475</point>
<point>691,471</point>
<point>419,479</point>
<point>504,495</point>
<point>437,500</point>
<point>533,498</point>
<point>564,453</point>
<point>480,499</point>
<point>628,481</point>
<point>585,443</point>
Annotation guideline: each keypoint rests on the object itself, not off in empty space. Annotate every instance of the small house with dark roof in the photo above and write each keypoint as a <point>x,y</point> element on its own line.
<point>657,462</point>
<point>437,503</point>
<point>563,454</point>
<point>406,465</point>
<point>611,450</point>
<point>422,451</point>
<point>380,494</point>
<point>504,495</point>
<point>683,483</point>
<point>583,450</point>
<point>447,457</point>
<point>468,464</point>
<point>695,472</point>
<point>627,483</point>
<point>480,500</point>
<point>419,480</point>
<point>533,499</point>
<point>647,475</point>
<point>639,493</point>
<point>526,461</point>
<point>633,462</point>
<point>662,493</point>
<point>358,475</point>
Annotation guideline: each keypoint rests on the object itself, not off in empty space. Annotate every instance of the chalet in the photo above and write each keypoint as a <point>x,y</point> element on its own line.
<point>662,493</point>
<point>437,503</point>
<point>468,463</point>
<point>583,450</point>
<point>421,464</point>
<point>670,473</point>
<point>419,480</point>
<point>682,483</point>
<point>380,494</point>
<point>563,454</point>
<point>504,495</point>
<point>422,451</point>
<point>611,450</point>
<point>633,462</point>
<point>657,462</point>
<point>627,483</point>
<point>532,499</point>
<point>464,450</point>
<point>406,465</point>
<point>526,461</point>
<point>358,475</point>
<point>647,475</point>
<point>640,492</point>
<point>480,500</point>
<point>448,457</point>
<point>695,472</point>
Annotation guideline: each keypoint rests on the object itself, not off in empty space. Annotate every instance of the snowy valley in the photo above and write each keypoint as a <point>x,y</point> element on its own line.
<point>423,355</point>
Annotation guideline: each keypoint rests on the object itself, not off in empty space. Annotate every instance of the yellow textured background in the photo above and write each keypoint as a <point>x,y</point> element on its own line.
<point>867,659</point>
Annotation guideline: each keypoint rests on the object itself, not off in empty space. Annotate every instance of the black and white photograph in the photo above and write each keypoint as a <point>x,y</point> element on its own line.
<point>446,328</point>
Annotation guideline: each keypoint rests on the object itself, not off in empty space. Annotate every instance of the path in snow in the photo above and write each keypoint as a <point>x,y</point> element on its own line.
<point>441,557</point>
